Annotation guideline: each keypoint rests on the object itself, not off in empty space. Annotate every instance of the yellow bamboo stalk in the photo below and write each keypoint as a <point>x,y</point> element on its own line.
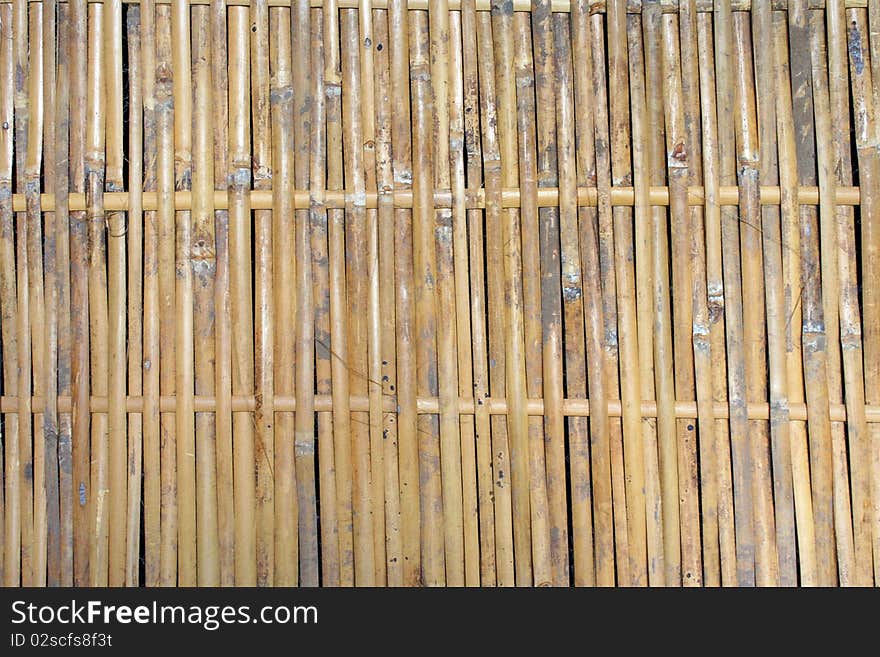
<point>504,555</point>
<point>240,294</point>
<point>135,289</point>
<point>204,270</point>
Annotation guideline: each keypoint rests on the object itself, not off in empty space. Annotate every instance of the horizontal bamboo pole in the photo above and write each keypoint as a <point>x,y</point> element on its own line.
<point>475,198</point>
<point>598,6</point>
<point>431,405</point>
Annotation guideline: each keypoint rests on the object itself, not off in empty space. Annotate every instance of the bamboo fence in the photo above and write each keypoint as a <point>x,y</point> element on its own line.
<point>440,292</point>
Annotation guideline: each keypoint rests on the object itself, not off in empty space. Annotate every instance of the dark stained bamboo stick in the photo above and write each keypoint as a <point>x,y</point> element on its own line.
<point>151,356</point>
<point>858,439</point>
<point>504,555</point>
<point>51,281</point>
<point>478,302</point>
<point>863,88</point>
<point>833,524</point>
<point>337,548</point>
<point>304,438</point>
<point>546,82</point>
<point>793,315</point>
<point>304,384</point>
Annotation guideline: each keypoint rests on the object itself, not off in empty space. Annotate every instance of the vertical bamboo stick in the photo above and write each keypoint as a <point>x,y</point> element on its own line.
<point>222,305</point>
<point>733,302</point>
<point>547,81</point>
<point>457,146</point>
<point>376,455</point>
<point>283,245</point>
<point>425,277</point>
<point>719,449</point>
<point>204,270</point>
<point>590,140</point>
<point>771,237</point>
<point>617,489</point>
<point>754,332</point>
<point>98,295</point>
<point>407,436</point>
<point>65,346</point>
<point>514,356</point>
<point>264,311</point>
<point>335,340</point>
<point>151,361</point>
<point>868,165</point>
<point>135,288</point>
<point>32,377</point>
<point>793,311</point>
<point>304,427</point>
<point>531,281</point>
<point>353,283</point>
<point>117,296</point>
<point>504,554</point>
<point>679,147</point>
<point>394,547</point>
<point>859,440</point>
<point>386,284</point>
<point>51,273</point>
<point>184,348</point>
<point>870,251</point>
<point>240,292</point>
<point>573,284</point>
<point>845,514</point>
<point>646,156</point>
<point>833,527</point>
<point>21,101</point>
<point>447,357</point>
<point>615,241</point>
<point>476,266</point>
<point>167,292</point>
<point>336,551</point>
<point>8,311</point>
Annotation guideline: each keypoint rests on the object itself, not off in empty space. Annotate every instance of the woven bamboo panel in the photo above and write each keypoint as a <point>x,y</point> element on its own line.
<point>440,292</point>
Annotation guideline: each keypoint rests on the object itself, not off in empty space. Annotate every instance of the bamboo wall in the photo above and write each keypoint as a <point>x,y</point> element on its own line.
<point>334,292</point>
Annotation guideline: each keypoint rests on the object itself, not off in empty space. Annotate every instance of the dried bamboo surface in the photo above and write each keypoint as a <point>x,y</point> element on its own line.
<point>439,292</point>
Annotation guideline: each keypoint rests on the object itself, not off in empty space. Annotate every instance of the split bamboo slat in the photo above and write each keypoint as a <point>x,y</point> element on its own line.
<point>439,293</point>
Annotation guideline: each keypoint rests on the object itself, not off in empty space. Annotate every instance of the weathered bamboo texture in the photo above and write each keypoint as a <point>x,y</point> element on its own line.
<point>439,293</point>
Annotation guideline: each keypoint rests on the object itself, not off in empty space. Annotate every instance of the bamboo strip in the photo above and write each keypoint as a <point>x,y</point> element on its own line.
<point>304,421</point>
<point>135,288</point>
<point>475,198</point>
<point>264,307</point>
<point>286,520</point>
